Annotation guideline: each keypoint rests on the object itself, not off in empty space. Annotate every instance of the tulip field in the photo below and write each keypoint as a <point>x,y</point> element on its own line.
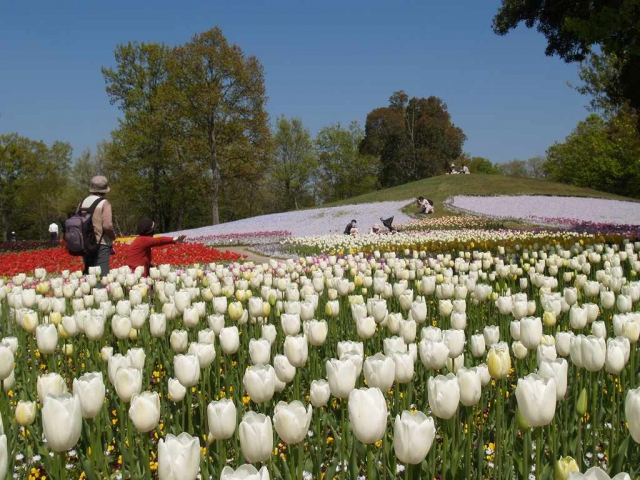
<point>456,354</point>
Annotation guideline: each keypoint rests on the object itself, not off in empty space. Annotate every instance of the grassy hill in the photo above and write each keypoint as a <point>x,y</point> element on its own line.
<point>440,188</point>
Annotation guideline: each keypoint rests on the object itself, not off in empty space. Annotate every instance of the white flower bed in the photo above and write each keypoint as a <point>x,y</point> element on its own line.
<point>526,206</point>
<point>309,222</point>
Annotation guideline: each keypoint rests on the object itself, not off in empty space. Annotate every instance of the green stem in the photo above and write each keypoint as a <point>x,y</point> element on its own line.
<point>526,443</point>
<point>467,454</point>
<point>579,443</point>
<point>498,452</point>
<point>342,440</point>
<point>539,447</point>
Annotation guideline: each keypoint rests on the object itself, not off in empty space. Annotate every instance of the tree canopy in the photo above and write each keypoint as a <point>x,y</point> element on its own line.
<point>414,138</point>
<point>574,28</point>
<point>599,154</point>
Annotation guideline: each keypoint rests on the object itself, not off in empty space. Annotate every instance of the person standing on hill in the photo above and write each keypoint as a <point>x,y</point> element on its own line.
<point>139,254</point>
<point>102,224</point>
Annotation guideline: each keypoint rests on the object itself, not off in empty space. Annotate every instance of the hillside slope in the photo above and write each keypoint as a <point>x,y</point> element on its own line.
<point>440,188</point>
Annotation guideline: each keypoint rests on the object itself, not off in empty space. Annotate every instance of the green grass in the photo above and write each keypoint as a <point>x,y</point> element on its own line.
<point>440,188</point>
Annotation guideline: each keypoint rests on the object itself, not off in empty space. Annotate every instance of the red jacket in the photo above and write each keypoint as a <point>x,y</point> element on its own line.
<point>140,251</point>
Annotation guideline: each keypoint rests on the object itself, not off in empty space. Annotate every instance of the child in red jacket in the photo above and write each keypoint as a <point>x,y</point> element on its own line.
<point>140,250</point>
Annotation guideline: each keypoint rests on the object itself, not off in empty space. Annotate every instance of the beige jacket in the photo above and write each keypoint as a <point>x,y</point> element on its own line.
<point>102,219</point>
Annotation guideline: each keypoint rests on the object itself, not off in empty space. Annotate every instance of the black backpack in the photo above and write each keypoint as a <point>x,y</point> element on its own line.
<point>78,231</point>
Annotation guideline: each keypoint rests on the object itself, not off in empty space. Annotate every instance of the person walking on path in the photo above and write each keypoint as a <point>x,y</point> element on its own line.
<point>53,233</point>
<point>139,254</point>
<point>102,225</point>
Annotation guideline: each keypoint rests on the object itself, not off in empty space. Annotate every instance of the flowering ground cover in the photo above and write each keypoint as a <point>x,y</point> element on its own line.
<point>58,259</point>
<point>250,238</point>
<point>511,361</point>
<point>315,221</point>
<point>582,209</point>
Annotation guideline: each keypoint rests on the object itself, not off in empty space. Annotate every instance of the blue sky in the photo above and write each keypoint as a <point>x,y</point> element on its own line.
<point>325,61</point>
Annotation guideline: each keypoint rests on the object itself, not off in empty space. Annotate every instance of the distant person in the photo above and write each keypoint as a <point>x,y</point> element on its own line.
<point>351,228</point>
<point>425,205</point>
<point>465,169</point>
<point>13,237</point>
<point>102,224</point>
<point>452,170</point>
<point>375,228</point>
<point>139,254</point>
<point>53,233</point>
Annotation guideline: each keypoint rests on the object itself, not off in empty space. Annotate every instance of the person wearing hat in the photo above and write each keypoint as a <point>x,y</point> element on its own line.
<point>102,224</point>
<point>139,254</point>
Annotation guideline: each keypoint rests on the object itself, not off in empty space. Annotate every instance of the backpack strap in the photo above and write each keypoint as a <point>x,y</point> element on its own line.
<point>91,208</point>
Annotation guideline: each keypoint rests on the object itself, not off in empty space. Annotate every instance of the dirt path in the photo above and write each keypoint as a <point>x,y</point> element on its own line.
<point>251,257</point>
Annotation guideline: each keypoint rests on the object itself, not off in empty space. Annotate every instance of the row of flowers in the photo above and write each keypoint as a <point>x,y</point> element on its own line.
<point>450,222</point>
<point>58,259</point>
<point>445,366</point>
<point>441,241</point>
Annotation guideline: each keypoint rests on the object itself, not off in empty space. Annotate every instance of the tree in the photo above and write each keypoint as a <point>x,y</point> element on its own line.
<point>145,141</point>
<point>536,167</point>
<point>414,138</point>
<point>598,74</point>
<point>574,27</point>
<point>482,165</point>
<point>220,106</point>
<point>514,168</point>
<point>343,171</point>
<point>294,164</point>
<point>33,178</point>
<point>599,154</point>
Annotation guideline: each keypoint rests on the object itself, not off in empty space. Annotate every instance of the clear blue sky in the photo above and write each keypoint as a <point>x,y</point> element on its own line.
<point>325,61</point>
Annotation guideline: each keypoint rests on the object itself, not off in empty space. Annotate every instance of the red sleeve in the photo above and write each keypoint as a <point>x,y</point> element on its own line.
<point>159,241</point>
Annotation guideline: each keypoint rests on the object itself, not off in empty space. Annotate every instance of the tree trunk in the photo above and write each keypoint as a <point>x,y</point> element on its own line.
<point>215,192</point>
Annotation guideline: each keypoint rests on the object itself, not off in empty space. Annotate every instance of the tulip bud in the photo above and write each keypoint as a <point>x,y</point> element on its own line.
<point>178,457</point>
<point>563,468</point>
<point>221,418</point>
<point>632,413</point>
<point>256,437</point>
<point>319,393</point>
<point>581,405</point>
<point>145,411</point>
<point>25,413</point>
<point>62,421</point>
<point>177,391</point>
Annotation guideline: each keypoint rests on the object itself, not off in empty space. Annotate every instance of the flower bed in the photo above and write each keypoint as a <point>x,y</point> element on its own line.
<point>450,222</point>
<point>523,207</point>
<point>441,241</point>
<point>58,259</point>
<point>367,366</point>
<point>233,239</point>
<point>23,246</point>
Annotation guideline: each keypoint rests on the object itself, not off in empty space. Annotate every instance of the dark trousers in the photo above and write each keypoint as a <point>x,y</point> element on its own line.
<point>98,259</point>
<point>53,238</point>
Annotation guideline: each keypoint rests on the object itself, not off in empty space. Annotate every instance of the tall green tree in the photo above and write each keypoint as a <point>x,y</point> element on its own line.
<point>145,141</point>
<point>343,171</point>
<point>574,28</point>
<point>219,104</point>
<point>599,154</point>
<point>33,179</point>
<point>414,138</point>
<point>293,165</point>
